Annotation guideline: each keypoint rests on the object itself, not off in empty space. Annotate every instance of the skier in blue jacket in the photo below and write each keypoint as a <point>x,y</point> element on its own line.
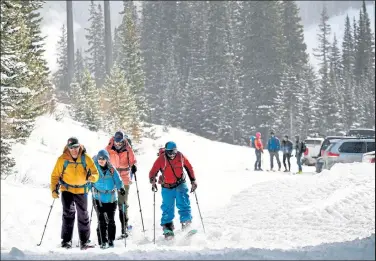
<point>273,147</point>
<point>105,198</point>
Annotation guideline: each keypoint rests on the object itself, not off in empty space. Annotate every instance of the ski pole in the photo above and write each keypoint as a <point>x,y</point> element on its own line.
<point>202,222</point>
<point>154,189</point>
<point>45,226</point>
<point>97,210</point>
<point>125,227</point>
<point>139,203</point>
<point>91,214</point>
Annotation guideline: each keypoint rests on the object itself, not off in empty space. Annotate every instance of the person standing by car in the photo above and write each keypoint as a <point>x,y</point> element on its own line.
<point>300,148</point>
<point>286,147</point>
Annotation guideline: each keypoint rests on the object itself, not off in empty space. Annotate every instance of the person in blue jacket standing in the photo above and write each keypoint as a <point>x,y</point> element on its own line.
<point>273,147</point>
<point>286,147</point>
<point>105,198</point>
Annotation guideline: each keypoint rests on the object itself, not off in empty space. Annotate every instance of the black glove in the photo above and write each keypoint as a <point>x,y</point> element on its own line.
<point>122,191</point>
<point>194,186</point>
<point>134,169</point>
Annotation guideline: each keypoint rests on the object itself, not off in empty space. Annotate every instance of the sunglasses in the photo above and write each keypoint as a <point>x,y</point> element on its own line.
<point>75,146</point>
<point>101,158</point>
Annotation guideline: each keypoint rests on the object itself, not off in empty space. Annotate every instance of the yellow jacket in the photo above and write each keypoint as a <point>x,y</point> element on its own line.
<point>74,174</point>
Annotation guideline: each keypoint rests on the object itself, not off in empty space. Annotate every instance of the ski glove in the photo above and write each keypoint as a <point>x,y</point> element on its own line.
<point>153,182</point>
<point>55,194</point>
<point>122,191</point>
<point>134,169</point>
<point>194,186</point>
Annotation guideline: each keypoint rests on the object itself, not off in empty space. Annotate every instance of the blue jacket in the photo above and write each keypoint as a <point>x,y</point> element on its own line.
<point>105,189</point>
<point>286,146</point>
<point>273,144</point>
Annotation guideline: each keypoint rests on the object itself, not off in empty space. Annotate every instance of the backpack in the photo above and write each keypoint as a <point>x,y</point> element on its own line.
<point>253,138</point>
<point>161,151</point>
<point>66,185</point>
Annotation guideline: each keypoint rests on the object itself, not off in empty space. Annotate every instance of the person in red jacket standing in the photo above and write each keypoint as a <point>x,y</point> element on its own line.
<point>172,163</point>
<point>123,159</point>
<point>259,149</point>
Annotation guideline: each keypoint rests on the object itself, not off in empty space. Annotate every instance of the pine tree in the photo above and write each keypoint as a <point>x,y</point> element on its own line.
<point>348,82</point>
<point>79,66</point>
<point>322,53</point>
<point>132,62</point>
<point>90,105</point>
<point>335,117</point>
<point>96,51</point>
<point>120,108</point>
<point>60,77</point>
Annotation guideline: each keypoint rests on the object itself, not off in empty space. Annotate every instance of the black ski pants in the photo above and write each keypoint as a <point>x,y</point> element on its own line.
<point>106,229</point>
<point>287,156</point>
<point>72,202</point>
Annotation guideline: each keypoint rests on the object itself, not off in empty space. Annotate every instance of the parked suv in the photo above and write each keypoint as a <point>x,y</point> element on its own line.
<point>313,149</point>
<point>325,144</point>
<point>347,151</point>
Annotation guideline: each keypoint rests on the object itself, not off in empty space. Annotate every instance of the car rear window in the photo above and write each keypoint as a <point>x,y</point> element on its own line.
<point>370,146</point>
<point>325,144</point>
<point>312,142</point>
<point>353,147</point>
<point>364,133</point>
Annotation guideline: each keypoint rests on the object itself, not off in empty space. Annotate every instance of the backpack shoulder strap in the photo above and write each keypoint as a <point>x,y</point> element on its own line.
<point>83,161</point>
<point>66,162</point>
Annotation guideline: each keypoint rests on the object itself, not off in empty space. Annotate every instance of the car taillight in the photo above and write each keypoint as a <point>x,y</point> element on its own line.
<point>306,152</point>
<point>331,154</point>
<point>372,160</point>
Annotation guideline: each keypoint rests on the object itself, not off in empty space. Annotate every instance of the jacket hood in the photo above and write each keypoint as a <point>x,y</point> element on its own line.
<point>104,153</point>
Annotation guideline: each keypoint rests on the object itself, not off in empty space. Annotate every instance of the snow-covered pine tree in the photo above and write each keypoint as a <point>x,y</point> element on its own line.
<point>90,102</point>
<point>348,81</point>
<point>322,54</point>
<point>233,109</point>
<point>120,108</point>
<point>336,117</point>
<point>60,77</point>
<point>96,51</point>
<point>132,62</point>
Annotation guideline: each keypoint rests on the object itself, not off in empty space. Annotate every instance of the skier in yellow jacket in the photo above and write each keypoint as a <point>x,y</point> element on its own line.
<point>73,172</point>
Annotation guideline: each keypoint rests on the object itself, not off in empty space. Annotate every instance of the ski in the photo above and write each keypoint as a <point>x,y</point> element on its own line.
<point>191,232</point>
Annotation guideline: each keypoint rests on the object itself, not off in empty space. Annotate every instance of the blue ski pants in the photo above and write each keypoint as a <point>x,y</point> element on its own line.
<point>180,194</point>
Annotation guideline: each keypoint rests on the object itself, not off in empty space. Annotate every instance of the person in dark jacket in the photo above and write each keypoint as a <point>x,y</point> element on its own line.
<point>286,147</point>
<point>105,198</point>
<point>274,146</point>
<point>299,150</point>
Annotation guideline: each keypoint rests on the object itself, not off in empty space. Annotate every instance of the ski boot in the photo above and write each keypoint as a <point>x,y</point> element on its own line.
<point>185,225</point>
<point>104,245</point>
<point>86,245</point>
<point>66,245</point>
<point>111,243</point>
<point>168,231</point>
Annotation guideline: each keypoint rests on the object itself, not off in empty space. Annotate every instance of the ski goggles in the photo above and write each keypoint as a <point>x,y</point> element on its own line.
<point>171,152</point>
<point>73,146</point>
<point>101,158</point>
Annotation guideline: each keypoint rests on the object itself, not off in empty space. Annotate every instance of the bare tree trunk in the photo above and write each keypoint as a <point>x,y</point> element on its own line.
<point>107,34</point>
<point>70,43</point>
